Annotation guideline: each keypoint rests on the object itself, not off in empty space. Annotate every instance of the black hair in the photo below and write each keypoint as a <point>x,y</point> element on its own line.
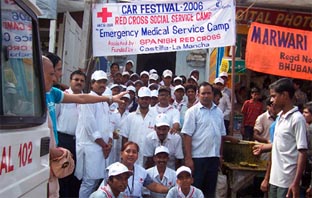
<point>255,90</point>
<point>283,84</point>
<point>77,72</point>
<point>125,145</point>
<point>112,65</point>
<point>308,106</point>
<point>217,92</point>
<point>183,79</point>
<point>298,82</point>
<point>190,86</point>
<point>268,101</point>
<point>204,84</point>
<point>53,58</point>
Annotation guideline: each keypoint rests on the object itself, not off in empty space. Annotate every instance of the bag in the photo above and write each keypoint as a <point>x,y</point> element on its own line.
<point>222,185</point>
<point>64,165</point>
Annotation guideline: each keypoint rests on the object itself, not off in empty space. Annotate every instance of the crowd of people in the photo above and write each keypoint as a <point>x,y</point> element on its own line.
<point>145,135</point>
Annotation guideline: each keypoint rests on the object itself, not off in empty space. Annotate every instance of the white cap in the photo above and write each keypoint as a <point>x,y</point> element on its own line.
<point>138,81</point>
<point>123,87</point>
<point>114,86</point>
<point>225,74</point>
<point>134,74</point>
<point>117,168</point>
<point>193,77</point>
<point>177,78</point>
<point>144,72</point>
<point>218,80</point>
<point>179,87</point>
<point>152,71</point>
<point>161,149</point>
<point>167,73</point>
<point>194,70</point>
<point>125,73</point>
<point>99,75</point>
<point>183,169</point>
<point>126,96</point>
<point>144,92</point>
<point>162,120</point>
<point>153,76</point>
<point>154,93</point>
<point>131,88</point>
<point>153,85</point>
<point>130,61</point>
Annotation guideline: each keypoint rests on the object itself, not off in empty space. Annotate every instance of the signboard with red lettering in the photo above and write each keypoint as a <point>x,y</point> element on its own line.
<point>16,31</point>
<point>152,27</point>
<point>279,51</point>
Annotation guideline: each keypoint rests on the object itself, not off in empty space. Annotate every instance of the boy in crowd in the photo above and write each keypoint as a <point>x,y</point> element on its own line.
<point>251,110</point>
<point>184,186</point>
<point>117,182</point>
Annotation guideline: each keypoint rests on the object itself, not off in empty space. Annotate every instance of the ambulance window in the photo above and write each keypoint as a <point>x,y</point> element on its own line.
<point>21,93</point>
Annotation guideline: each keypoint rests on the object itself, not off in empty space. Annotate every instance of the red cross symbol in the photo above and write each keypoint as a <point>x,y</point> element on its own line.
<point>104,14</point>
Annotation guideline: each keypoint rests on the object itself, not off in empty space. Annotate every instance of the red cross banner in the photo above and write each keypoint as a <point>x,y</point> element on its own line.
<point>152,27</point>
<point>279,51</point>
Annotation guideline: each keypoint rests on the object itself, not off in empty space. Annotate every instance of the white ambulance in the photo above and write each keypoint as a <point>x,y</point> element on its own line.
<point>24,134</point>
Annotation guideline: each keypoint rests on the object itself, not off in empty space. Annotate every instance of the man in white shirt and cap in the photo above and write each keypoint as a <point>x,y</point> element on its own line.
<point>160,173</point>
<point>144,76</point>
<point>161,136</point>
<point>139,123</point>
<point>164,106</point>
<point>167,79</point>
<point>93,138</point>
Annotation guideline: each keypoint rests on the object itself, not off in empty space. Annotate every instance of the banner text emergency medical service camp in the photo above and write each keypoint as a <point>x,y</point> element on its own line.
<point>152,27</point>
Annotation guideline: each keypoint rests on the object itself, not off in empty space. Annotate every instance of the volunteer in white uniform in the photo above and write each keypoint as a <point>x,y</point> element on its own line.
<point>140,123</point>
<point>140,177</point>
<point>165,107</point>
<point>160,173</point>
<point>94,138</point>
<point>161,136</point>
<point>117,118</point>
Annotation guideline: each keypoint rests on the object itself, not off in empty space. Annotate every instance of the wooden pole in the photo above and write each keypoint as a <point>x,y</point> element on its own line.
<point>233,90</point>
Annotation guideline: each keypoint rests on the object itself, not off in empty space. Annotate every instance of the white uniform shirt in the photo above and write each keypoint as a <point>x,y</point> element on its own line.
<point>205,126</point>
<point>179,105</point>
<point>93,123</point>
<point>105,192</point>
<point>263,124</point>
<point>136,128</point>
<point>290,135</point>
<point>116,121</point>
<point>136,182</point>
<point>173,142</point>
<point>177,192</point>
<point>172,113</point>
<point>67,116</point>
<point>225,106</point>
<point>169,179</point>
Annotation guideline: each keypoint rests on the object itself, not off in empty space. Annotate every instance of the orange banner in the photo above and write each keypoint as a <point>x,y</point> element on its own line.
<point>279,51</point>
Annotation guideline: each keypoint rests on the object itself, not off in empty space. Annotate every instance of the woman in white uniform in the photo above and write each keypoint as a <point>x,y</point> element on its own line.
<point>140,178</point>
